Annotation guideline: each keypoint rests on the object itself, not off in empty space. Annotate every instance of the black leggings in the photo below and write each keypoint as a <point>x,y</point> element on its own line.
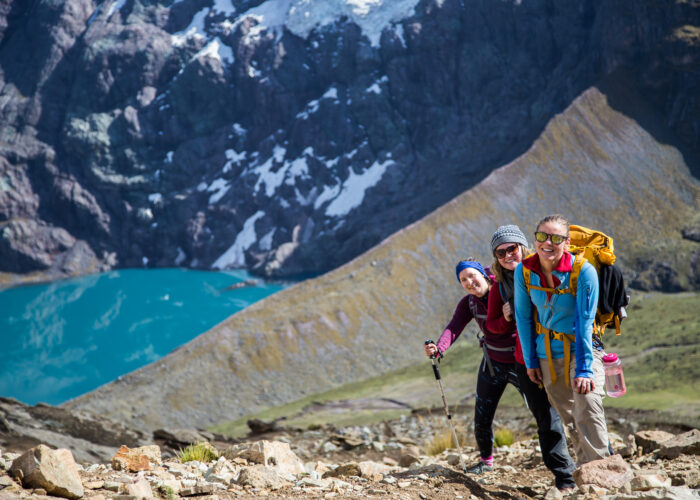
<point>489,389</point>
<point>549,430</point>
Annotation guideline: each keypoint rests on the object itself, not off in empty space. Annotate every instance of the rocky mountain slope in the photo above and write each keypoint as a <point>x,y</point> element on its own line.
<point>596,163</point>
<point>399,458</point>
<point>289,136</point>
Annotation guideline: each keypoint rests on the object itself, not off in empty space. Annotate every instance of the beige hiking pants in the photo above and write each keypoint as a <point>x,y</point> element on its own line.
<point>582,415</point>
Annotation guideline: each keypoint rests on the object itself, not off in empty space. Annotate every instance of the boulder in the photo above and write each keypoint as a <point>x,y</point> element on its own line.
<point>140,488</point>
<point>136,459</point>
<point>651,439</point>
<point>373,471</point>
<point>409,455</point>
<point>275,454</point>
<point>650,479</point>
<point>345,470</point>
<point>610,472</point>
<point>687,443</point>
<point>53,470</point>
<point>261,477</point>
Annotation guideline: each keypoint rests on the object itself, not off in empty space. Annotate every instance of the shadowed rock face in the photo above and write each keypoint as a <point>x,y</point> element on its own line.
<point>124,139</point>
<point>593,163</point>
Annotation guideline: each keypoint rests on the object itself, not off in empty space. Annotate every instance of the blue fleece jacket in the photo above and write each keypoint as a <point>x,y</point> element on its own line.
<point>562,313</point>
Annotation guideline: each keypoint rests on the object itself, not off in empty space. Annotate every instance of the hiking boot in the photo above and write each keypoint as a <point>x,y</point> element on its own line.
<point>480,468</point>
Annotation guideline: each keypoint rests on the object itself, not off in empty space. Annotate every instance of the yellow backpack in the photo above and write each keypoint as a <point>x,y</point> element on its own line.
<point>597,248</point>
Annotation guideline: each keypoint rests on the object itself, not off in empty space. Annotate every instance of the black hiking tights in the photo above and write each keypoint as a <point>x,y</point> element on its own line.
<point>555,454</point>
<point>489,390</point>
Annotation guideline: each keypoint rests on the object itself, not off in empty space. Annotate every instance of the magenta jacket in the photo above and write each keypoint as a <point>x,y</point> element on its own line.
<point>472,307</point>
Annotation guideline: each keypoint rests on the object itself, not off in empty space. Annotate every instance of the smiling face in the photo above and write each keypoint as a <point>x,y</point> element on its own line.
<point>549,253</point>
<point>513,255</point>
<point>474,282</point>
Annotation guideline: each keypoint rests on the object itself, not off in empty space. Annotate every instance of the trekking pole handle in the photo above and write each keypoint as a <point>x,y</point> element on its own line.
<point>436,371</point>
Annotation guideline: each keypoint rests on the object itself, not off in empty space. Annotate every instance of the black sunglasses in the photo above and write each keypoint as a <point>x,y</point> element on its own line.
<point>502,252</point>
<point>557,239</point>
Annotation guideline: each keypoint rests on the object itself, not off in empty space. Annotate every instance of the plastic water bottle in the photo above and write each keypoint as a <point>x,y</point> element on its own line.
<point>614,379</point>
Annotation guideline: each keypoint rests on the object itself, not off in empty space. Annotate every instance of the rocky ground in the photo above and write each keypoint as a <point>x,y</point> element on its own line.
<point>386,460</point>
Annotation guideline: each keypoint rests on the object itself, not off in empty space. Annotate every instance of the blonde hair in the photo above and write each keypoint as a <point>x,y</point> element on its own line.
<point>497,268</point>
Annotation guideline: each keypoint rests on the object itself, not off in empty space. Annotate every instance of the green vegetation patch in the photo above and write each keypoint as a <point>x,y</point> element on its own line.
<point>659,349</point>
<point>200,452</point>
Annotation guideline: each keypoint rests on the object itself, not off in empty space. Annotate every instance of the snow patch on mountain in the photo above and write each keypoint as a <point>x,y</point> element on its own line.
<point>224,6</point>
<point>221,187</point>
<point>235,255</point>
<point>216,49</point>
<point>312,106</point>
<point>194,30</point>
<point>286,173</point>
<point>372,16</point>
<point>232,157</point>
<point>350,194</point>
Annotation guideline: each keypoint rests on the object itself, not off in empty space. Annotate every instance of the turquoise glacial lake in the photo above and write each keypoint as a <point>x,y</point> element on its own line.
<point>69,337</point>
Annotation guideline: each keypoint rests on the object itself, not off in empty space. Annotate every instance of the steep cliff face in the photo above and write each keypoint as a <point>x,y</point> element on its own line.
<point>288,136</point>
<point>592,162</point>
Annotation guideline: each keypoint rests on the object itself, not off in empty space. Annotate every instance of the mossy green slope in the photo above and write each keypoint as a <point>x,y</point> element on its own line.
<point>592,163</point>
<point>659,349</point>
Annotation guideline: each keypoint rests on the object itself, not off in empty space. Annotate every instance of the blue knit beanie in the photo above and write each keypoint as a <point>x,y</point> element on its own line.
<point>463,264</point>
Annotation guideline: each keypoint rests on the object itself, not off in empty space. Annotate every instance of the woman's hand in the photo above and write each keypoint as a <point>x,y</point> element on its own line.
<point>584,385</point>
<point>507,312</point>
<point>535,375</point>
<point>431,350</point>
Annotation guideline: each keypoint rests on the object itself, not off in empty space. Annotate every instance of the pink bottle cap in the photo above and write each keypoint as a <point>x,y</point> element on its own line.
<point>610,358</point>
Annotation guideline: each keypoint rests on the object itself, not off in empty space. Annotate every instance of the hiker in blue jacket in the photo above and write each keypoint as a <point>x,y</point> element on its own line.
<point>558,346</point>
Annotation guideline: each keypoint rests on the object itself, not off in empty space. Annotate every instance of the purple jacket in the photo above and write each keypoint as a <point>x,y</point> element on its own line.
<point>472,307</point>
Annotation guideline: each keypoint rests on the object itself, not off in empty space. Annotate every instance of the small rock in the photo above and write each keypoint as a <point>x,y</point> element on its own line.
<point>111,486</point>
<point>93,485</point>
<point>649,480</point>
<point>689,478</point>
<point>553,494</point>
<point>197,490</point>
<point>344,470</point>
<point>140,488</point>
<point>275,454</point>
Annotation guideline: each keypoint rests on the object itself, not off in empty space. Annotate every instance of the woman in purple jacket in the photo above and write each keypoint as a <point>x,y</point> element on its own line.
<point>497,367</point>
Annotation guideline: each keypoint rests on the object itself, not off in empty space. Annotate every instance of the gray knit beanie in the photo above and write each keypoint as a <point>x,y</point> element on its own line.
<point>507,234</point>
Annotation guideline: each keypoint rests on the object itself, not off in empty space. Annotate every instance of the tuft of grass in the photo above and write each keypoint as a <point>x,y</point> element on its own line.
<point>503,437</point>
<point>166,492</point>
<point>444,440</point>
<point>201,452</point>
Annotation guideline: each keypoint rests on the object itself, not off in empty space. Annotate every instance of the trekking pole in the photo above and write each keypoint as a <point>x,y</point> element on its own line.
<point>436,371</point>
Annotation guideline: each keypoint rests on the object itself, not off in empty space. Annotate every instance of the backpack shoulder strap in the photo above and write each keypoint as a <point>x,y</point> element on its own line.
<point>526,278</point>
<point>575,272</point>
